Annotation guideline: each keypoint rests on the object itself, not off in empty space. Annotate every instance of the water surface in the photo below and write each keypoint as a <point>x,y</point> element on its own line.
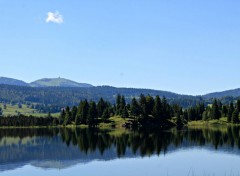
<point>214,151</point>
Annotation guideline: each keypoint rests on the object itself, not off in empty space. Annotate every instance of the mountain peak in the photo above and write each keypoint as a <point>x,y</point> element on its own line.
<point>57,82</point>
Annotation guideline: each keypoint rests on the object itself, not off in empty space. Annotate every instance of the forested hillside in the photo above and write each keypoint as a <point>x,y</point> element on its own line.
<point>71,96</point>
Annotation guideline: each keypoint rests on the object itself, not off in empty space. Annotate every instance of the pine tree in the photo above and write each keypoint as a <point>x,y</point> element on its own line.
<point>165,109</point>
<point>179,120</point>
<point>118,104</point>
<point>224,110</point>
<point>92,114</point>
<point>215,112</point>
<point>157,109</point>
<point>150,105</point>
<point>82,113</point>
<point>220,105</point>
<point>125,113</point>
<point>238,105</point>
<point>73,114</point>
<point>62,116</point>
<point>135,109</point>
<point>106,115</point>
<point>101,107</point>
<point>122,104</point>
<point>67,116</point>
<point>235,115</point>
<point>143,105</point>
<point>230,112</point>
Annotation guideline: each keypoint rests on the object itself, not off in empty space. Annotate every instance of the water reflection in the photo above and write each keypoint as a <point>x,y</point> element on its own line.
<point>61,148</point>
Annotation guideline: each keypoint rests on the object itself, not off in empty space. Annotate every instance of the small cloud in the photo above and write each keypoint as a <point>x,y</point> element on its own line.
<point>54,17</point>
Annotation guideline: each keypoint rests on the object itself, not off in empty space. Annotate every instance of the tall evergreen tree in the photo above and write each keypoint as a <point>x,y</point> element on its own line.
<point>125,113</point>
<point>118,104</point>
<point>150,104</point>
<point>62,116</point>
<point>143,106</point>
<point>101,107</point>
<point>165,109</point>
<point>106,115</point>
<point>157,109</point>
<point>122,104</point>
<point>238,105</point>
<point>73,114</point>
<point>67,116</point>
<point>235,115</point>
<point>215,112</point>
<point>82,113</point>
<point>92,114</point>
<point>230,112</point>
<point>135,109</point>
<point>224,110</point>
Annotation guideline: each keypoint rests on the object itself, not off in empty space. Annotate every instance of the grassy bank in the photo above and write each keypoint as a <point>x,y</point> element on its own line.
<point>12,110</point>
<point>221,122</point>
<point>114,124</point>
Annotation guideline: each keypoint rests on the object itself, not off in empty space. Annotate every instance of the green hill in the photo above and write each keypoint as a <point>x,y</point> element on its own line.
<point>11,81</point>
<point>57,82</point>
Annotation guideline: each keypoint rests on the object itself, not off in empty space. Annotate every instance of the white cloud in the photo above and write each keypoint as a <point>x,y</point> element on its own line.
<point>54,17</point>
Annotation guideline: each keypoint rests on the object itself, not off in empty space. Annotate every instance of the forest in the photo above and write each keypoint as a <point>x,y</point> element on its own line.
<point>52,99</point>
<point>143,112</point>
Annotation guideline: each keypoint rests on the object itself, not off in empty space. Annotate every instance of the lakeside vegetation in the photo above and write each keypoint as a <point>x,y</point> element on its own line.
<point>24,109</point>
<point>144,112</point>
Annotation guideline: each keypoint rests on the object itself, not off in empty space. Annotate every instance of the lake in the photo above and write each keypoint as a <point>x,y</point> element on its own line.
<point>211,151</point>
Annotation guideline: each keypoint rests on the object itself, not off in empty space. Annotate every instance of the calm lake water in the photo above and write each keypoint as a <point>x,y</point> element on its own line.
<point>61,152</point>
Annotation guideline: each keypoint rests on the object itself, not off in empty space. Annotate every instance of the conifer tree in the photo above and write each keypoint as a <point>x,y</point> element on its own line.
<point>135,109</point>
<point>125,113</point>
<point>67,116</point>
<point>118,104</point>
<point>157,109</point>
<point>215,112</point>
<point>92,114</point>
<point>73,114</point>
<point>106,115</point>
<point>224,110</point>
<point>238,105</point>
<point>230,112</point>
<point>62,116</point>
<point>235,115</point>
<point>143,105</point>
<point>150,104</point>
<point>101,107</point>
<point>82,113</point>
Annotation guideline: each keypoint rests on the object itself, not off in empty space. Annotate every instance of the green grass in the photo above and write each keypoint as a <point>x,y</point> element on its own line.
<point>15,110</point>
<point>221,121</point>
<point>113,121</point>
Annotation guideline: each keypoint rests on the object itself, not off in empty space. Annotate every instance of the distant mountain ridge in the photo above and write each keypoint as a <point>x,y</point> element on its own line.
<point>45,82</point>
<point>57,82</point>
<point>13,82</point>
<point>13,90</point>
<point>227,93</point>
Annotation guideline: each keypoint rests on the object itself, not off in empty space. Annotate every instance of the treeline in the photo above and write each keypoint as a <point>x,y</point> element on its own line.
<point>27,121</point>
<point>214,111</point>
<point>145,111</point>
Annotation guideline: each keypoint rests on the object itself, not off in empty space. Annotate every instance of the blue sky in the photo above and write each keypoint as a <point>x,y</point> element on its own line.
<point>188,47</point>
